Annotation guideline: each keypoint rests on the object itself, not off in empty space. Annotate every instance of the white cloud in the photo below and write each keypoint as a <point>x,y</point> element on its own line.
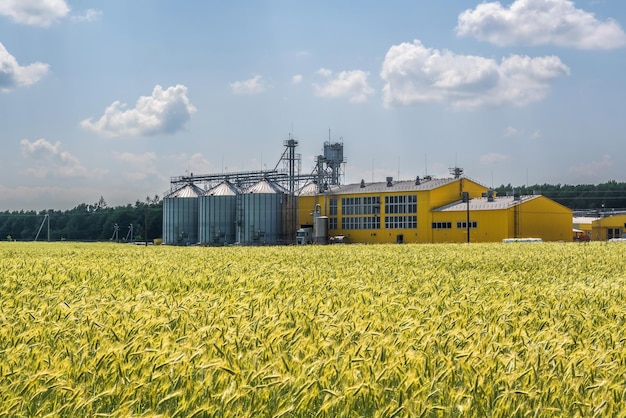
<point>141,166</point>
<point>254,85</point>
<point>90,15</point>
<point>50,159</point>
<point>536,134</point>
<point>34,12</point>
<point>143,160</point>
<point>351,85</point>
<point>199,164</point>
<point>164,112</point>
<point>296,79</point>
<point>510,131</point>
<point>13,75</point>
<point>45,197</point>
<point>415,74</point>
<point>324,72</point>
<point>540,22</point>
<point>593,170</point>
<point>493,158</point>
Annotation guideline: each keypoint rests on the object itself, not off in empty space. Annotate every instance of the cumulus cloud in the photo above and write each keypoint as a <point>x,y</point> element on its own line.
<point>164,112</point>
<point>90,15</point>
<point>34,12</point>
<point>43,13</point>
<point>593,170</point>
<point>510,131</point>
<point>296,79</point>
<point>51,159</point>
<point>254,85</point>
<point>493,158</point>
<point>141,166</point>
<point>13,75</point>
<point>416,74</point>
<point>351,85</point>
<point>540,22</point>
<point>324,72</point>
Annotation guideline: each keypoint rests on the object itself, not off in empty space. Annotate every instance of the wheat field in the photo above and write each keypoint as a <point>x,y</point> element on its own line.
<point>475,330</point>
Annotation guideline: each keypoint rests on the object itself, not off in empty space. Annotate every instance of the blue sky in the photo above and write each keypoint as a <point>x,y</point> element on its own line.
<point>112,98</point>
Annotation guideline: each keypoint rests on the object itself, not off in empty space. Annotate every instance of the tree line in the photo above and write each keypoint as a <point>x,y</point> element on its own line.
<point>609,195</point>
<point>86,222</point>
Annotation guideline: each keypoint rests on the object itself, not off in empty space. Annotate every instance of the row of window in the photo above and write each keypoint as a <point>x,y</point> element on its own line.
<point>448,225</point>
<point>401,204</point>
<point>463,225</point>
<point>361,222</point>
<point>391,222</point>
<point>370,205</point>
<point>401,222</point>
<point>367,205</point>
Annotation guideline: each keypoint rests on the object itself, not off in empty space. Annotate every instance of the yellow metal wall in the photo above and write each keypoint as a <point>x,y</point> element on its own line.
<point>539,217</point>
<point>542,218</point>
<point>492,226</point>
<point>599,227</point>
<point>426,201</point>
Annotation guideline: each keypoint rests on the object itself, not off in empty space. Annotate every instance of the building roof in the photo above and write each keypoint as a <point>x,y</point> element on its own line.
<point>584,220</point>
<point>382,187</point>
<point>483,203</point>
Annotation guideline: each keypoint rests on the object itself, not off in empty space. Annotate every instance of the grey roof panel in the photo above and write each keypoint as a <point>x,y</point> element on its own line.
<point>381,187</point>
<point>483,203</point>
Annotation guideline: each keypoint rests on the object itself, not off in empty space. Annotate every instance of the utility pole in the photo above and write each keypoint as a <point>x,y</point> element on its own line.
<point>467,200</point>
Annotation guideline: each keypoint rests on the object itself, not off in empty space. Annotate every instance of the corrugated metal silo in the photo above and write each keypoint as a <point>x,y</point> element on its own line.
<point>218,215</point>
<point>262,221</point>
<point>180,215</point>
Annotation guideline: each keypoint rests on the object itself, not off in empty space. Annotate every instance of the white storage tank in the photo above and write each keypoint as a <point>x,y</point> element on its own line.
<point>320,229</point>
<point>180,215</point>
<point>218,215</point>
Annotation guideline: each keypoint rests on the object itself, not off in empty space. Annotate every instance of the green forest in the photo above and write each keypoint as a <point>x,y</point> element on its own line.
<point>86,222</point>
<point>587,197</point>
<point>99,222</point>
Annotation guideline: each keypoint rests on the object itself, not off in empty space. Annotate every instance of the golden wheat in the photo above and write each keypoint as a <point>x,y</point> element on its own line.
<point>387,330</point>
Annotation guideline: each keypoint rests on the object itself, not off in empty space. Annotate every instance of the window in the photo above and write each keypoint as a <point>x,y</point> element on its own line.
<point>442,225</point>
<point>333,207</point>
<point>463,225</point>
<point>360,222</point>
<point>401,222</point>
<point>367,205</point>
<point>401,204</point>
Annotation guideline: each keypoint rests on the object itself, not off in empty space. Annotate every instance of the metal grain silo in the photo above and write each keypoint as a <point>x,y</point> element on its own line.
<point>262,221</point>
<point>218,215</point>
<point>180,215</point>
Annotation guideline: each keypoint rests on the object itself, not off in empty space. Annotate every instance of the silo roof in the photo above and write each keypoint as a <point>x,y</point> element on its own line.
<point>225,188</point>
<point>265,187</point>
<point>309,189</point>
<point>188,190</point>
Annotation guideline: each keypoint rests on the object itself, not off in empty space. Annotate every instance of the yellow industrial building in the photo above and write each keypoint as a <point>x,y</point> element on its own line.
<point>608,227</point>
<point>431,210</point>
